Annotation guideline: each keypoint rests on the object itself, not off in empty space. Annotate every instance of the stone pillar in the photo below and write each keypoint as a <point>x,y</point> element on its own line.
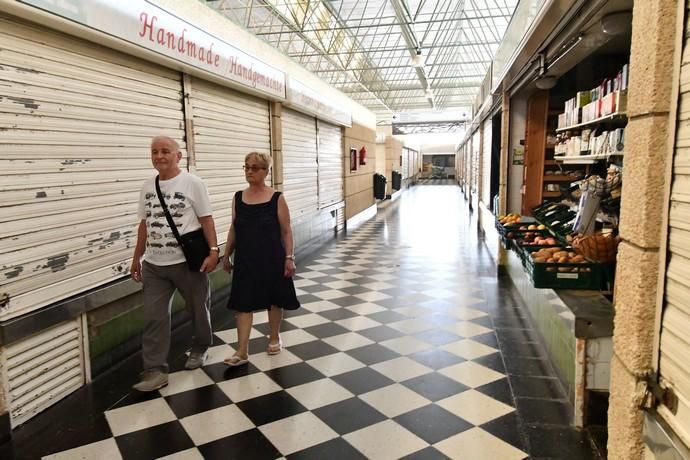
<point>504,165</point>
<point>277,144</point>
<point>650,99</point>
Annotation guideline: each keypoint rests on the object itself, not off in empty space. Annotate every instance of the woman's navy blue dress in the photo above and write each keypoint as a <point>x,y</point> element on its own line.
<point>257,280</point>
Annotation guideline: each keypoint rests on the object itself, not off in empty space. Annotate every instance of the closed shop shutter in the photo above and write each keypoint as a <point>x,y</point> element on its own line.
<point>42,369</point>
<point>330,164</point>
<point>674,344</point>
<point>405,163</point>
<point>486,163</point>
<point>227,126</point>
<point>300,169</point>
<point>76,121</point>
<point>476,141</point>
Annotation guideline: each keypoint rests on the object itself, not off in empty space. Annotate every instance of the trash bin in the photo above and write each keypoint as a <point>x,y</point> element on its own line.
<point>380,186</point>
<point>397,179</point>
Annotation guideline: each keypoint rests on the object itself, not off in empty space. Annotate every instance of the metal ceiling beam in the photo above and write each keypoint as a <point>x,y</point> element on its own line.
<point>487,61</point>
<point>398,48</point>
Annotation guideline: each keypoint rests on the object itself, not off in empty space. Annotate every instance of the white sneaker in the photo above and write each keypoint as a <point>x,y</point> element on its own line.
<point>196,360</point>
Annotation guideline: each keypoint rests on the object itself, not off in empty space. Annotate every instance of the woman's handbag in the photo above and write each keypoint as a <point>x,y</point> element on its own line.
<point>193,244</point>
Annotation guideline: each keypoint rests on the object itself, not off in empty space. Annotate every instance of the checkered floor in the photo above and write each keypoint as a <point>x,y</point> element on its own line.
<point>393,355</point>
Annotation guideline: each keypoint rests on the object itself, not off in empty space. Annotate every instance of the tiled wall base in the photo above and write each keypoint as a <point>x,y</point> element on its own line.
<point>552,319</point>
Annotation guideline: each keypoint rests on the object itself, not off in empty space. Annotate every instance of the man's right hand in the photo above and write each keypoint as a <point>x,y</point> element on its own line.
<point>227,264</point>
<point>135,271</point>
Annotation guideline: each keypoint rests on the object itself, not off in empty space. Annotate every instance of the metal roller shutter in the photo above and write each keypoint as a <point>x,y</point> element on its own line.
<point>300,172</point>
<point>405,168</point>
<point>76,121</point>
<point>227,126</point>
<point>476,140</point>
<point>674,347</point>
<point>486,163</point>
<point>43,369</point>
<point>330,164</point>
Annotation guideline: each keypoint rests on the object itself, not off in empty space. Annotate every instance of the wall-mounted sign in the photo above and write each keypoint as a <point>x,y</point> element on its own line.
<point>302,98</point>
<point>353,159</point>
<point>519,155</point>
<point>144,24</point>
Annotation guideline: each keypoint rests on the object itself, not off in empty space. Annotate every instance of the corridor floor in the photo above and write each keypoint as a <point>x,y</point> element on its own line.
<point>407,346</point>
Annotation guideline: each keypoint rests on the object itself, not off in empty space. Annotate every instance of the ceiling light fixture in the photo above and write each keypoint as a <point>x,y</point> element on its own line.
<point>546,82</point>
<point>617,23</point>
<point>417,60</point>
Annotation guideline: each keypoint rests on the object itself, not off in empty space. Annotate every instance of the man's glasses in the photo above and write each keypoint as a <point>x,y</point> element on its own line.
<point>252,168</point>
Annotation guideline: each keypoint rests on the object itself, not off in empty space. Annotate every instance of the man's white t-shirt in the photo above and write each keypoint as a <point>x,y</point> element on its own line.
<point>187,199</point>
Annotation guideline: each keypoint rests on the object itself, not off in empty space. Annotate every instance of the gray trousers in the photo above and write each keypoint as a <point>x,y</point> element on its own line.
<point>160,283</point>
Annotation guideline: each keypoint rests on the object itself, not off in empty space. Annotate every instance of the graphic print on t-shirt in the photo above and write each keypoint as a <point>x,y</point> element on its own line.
<point>160,239</point>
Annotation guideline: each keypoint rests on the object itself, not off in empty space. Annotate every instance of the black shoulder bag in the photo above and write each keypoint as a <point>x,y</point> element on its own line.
<point>193,244</point>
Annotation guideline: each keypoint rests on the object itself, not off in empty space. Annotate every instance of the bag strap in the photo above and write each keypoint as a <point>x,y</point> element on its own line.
<point>168,217</point>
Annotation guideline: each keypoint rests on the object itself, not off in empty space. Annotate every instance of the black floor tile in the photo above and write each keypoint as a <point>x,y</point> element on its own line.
<point>536,387</point>
<point>380,333</point>
<point>510,429</point>
<point>432,423</point>
<point>544,411</point>
<point>435,386</point>
<point>326,330</point>
<point>349,415</point>
<point>197,400</point>
<point>220,372</point>
<point>566,443</point>
<point>493,361</point>
<point>523,349</point>
<point>389,316</point>
<point>426,454</point>
<point>489,339</point>
<point>499,390</point>
<point>529,366</point>
<point>271,407</point>
<point>245,445</point>
<point>293,375</point>
<point>338,313</point>
<point>313,349</point>
<point>354,290</point>
<point>347,301</point>
<point>436,358</point>
<point>157,441</point>
<point>363,380</point>
<point>372,354</point>
<point>438,337</point>
<point>335,449</point>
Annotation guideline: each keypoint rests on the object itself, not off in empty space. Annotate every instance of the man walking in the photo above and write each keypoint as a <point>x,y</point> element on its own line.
<point>164,268</point>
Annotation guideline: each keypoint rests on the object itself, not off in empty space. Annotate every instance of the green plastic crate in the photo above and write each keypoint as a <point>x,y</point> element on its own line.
<point>547,275</point>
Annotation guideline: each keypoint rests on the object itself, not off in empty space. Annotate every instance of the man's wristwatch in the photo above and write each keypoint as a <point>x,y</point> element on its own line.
<point>291,257</point>
<point>215,248</point>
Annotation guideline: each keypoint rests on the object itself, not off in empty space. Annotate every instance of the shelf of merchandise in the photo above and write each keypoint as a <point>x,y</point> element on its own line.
<point>546,194</point>
<point>586,159</point>
<point>557,178</point>
<point>611,117</point>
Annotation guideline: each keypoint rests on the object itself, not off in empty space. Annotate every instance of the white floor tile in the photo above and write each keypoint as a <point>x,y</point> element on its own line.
<point>302,321</point>
<point>406,345</point>
<point>477,444</point>
<point>320,305</point>
<point>189,454</point>
<point>383,277</point>
<point>394,400</point>
<point>385,441</point>
<point>366,308</point>
<point>218,354</point>
<point>378,286</point>
<point>101,450</point>
<point>346,276</point>
<point>230,335</point>
<point>415,312</point>
<point>337,363</point>
<point>330,294</point>
<point>469,349</point>
<point>310,275</point>
<point>412,326</point>
<point>187,380</point>
<point>216,424</point>
<point>471,374</point>
<point>263,361</point>
<point>139,416</point>
<point>297,433</point>
<point>320,267</point>
<point>475,407</point>
<point>347,341</point>
<point>467,313</point>
<point>372,296</point>
<point>358,323</point>
<point>304,283</point>
<point>319,393</point>
<point>339,284</point>
<point>401,369</point>
<point>248,387</point>
<point>466,329</point>
<point>296,337</point>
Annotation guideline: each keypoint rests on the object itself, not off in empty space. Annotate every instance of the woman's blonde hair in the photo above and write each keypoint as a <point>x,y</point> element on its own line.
<point>263,158</point>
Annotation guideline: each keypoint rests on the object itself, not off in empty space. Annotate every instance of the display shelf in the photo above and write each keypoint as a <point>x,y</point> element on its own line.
<point>612,117</point>
<point>546,194</point>
<point>586,159</point>
<point>558,178</point>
